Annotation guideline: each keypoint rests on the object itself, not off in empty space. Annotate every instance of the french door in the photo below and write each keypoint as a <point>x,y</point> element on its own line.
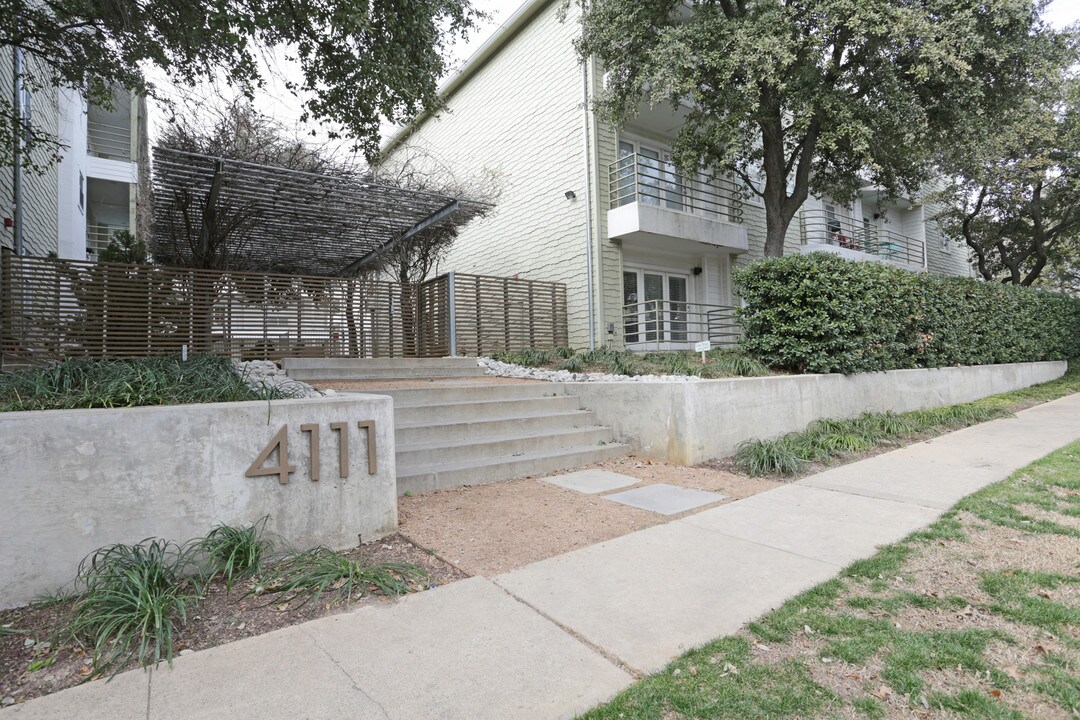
<point>655,306</point>
<point>658,181</point>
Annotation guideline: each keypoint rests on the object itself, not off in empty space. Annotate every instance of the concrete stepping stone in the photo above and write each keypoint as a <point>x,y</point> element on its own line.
<point>592,481</point>
<point>665,499</point>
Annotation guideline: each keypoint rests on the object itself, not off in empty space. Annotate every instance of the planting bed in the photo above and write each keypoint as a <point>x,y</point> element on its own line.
<point>37,657</point>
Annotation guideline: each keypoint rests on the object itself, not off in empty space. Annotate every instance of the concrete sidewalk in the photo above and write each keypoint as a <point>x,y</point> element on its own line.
<point>556,637</point>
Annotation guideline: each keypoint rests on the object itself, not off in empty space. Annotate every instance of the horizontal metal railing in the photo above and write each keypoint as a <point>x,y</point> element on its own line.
<point>108,141</point>
<point>636,178</point>
<point>822,228</point>
<point>98,237</point>
<point>673,325</point>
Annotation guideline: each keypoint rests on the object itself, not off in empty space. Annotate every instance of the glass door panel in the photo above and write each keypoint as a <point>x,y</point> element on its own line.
<point>649,176</point>
<point>625,185</point>
<point>654,298</point>
<point>673,186</point>
<point>677,308</point>
<point>630,306</point>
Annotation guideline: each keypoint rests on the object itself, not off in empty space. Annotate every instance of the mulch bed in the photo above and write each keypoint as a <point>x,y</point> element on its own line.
<point>40,658</point>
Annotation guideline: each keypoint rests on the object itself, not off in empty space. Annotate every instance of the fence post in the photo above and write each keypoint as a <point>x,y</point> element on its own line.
<point>452,306</point>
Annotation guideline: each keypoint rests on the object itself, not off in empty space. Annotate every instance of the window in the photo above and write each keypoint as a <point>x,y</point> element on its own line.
<point>82,192</point>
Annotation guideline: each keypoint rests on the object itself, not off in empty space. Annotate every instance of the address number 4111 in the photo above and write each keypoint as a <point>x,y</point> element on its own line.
<point>280,443</point>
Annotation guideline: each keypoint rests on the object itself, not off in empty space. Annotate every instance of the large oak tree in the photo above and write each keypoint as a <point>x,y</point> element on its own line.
<point>361,62</point>
<point>813,96</point>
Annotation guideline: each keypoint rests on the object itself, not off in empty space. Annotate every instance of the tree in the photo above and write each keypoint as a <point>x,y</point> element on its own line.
<point>1014,196</point>
<point>818,96</point>
<point>415,169</point>
<point>235,131</point>
<point>362,62</point>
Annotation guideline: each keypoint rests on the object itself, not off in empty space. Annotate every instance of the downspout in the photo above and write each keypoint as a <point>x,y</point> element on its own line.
<point>587,127</point>
<point>16,151</point>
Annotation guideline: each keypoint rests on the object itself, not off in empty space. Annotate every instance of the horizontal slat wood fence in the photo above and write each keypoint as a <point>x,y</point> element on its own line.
<point>51,309</point>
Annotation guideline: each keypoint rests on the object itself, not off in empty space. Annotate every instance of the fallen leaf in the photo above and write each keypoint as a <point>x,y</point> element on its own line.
<point>995,693</point>
<point>882,692</point>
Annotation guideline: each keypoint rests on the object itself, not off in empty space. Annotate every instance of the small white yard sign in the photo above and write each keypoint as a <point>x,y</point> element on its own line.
<point>703,346</point>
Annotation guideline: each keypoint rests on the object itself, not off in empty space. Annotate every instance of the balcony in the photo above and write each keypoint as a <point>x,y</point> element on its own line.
<point>650,200</point>
<point>658,325</point>
<point>108,141</point>
<point>829,232</point>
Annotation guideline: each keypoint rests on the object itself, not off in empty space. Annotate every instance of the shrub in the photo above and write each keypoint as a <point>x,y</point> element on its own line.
<point>821,313</point>
<point>130,599</point>
<point>235,552</point>
<point>96,383</point>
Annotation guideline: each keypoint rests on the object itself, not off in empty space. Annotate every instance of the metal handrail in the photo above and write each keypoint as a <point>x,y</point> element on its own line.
<point>98,237</point>
<point>108,141</point>
<point>821,228</point>
<point>635,178</point>
<point>674,323</point>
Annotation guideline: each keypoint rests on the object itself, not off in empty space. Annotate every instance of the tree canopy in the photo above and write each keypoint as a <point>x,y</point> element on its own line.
<point>1013,195</point>
<point>814,96</point>
<point>362,62</point>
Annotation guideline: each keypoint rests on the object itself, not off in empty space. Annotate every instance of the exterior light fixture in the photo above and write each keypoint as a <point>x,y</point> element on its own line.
<point>570,194</point>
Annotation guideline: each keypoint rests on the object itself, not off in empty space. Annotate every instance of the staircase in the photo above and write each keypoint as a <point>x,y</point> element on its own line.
<point>462,430</point>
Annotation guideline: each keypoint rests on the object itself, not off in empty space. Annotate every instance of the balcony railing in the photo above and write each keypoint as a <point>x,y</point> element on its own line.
<point>98,237</point>
<point>636,178</point>
<point>108,141</point>
<point>673,325</point>
<point>823,228</point>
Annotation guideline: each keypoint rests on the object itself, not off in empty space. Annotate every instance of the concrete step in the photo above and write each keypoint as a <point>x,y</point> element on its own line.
<point>400,373</point>
<point>450,393</point>
<point>442,452</point>
<point>376,363</point>
<point>483,410</point>
<point>424,431</point>
<point>419,479</point>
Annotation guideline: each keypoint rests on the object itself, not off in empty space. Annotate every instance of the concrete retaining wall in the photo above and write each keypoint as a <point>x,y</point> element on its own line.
<point>73,481</point>
<point>692,422</point>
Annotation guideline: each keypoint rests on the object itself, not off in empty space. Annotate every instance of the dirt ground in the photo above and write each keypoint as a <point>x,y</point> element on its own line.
<point>38,658</point>
<point>492,528</point>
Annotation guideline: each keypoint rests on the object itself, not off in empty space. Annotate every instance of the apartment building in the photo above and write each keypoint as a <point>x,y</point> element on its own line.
<point>74,206</point>
<point>646,252</point>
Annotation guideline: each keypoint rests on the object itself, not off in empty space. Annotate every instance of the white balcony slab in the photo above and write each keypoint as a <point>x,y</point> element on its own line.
<point>647,222</point>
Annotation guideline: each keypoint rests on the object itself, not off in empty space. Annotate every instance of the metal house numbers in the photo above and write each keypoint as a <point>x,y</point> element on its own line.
<point>280,443</point>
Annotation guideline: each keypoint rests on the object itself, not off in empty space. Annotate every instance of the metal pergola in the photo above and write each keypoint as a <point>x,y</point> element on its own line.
<point>307,223</point>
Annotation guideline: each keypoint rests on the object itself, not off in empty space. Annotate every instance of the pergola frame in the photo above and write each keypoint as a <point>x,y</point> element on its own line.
<point>300,222</point>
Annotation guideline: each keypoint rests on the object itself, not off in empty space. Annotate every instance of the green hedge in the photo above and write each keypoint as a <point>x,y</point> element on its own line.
<point>821,313</point>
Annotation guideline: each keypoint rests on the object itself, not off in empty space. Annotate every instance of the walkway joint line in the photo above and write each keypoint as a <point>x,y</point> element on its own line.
<point>606,654</point>
<point>352,681</point>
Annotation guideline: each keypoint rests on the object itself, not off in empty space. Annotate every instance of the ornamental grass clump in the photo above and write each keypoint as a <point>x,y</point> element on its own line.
<point>309,574</point>
<point>235,552</point>
<point>131,598</point>
<point>105,383</point>
<point>772,456</point>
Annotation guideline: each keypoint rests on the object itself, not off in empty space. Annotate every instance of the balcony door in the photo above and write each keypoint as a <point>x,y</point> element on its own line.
<point>658,181</point>
<point>655,307</point>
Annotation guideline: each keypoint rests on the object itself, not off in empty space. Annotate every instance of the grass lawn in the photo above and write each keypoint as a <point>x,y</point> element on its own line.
<point>976,617</point>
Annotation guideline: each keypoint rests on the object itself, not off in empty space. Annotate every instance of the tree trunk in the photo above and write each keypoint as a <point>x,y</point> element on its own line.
<point>776,227</point>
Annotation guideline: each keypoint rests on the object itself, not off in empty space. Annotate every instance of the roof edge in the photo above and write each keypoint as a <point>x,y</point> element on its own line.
<point>521,17</point>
